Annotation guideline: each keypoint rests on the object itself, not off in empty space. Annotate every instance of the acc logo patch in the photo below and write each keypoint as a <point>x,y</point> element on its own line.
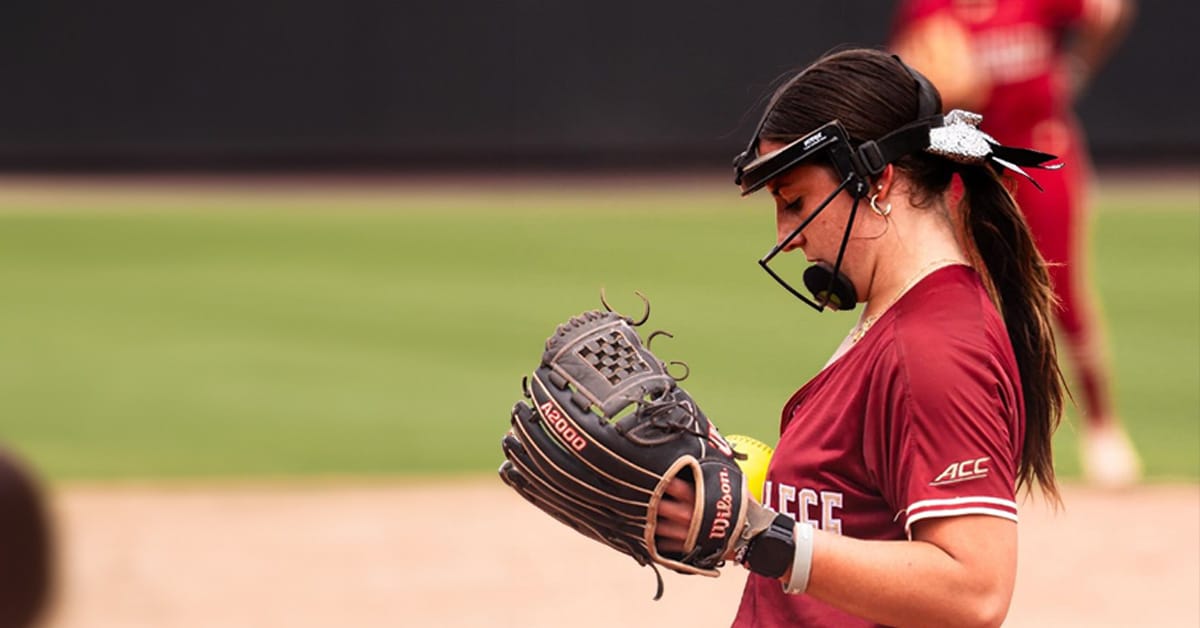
<point>962,472</point>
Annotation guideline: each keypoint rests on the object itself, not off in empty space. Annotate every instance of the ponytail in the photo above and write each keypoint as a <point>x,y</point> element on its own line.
<point>1016,277</point>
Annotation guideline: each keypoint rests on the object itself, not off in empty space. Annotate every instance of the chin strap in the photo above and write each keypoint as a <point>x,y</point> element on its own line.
<point>960,140</point>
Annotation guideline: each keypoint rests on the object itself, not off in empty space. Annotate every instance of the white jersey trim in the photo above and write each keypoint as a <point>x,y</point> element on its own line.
<point>955,512</point>
<point>934,503</point>
<point>955,507</point>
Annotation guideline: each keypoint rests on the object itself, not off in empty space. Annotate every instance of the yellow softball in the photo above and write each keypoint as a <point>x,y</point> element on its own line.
<point>755,465</point>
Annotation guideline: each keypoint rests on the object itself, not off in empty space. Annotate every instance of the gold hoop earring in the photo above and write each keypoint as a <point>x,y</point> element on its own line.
<point>887,209</point>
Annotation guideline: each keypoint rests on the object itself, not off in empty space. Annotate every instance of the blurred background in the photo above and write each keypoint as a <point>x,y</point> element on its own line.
<point>315,244</point>
<point>268,85</point>
<point>395,85</point>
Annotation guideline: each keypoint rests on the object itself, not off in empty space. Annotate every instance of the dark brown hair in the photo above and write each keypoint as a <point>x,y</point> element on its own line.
<point>26,546</point>
<point>872,94</point>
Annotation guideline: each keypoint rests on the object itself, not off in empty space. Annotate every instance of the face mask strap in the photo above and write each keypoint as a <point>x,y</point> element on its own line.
<point>837,266</point>
<point>765,261</point>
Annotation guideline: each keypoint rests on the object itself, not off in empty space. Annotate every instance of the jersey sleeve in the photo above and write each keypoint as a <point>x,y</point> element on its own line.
<point>947,432</point>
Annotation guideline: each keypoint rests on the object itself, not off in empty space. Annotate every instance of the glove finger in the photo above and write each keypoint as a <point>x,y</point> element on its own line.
<point>581,516</point>
<point>565,470</point>
<point>531,472</point>
<point>512,477</point>
<point>626,539</point>
<point>623,540</point>
<point>524,471</point>
<point>589,435</point>
<point>624,536</point>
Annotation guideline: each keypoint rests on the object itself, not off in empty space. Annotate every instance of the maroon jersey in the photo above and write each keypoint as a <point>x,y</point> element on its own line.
<point>922,418</point>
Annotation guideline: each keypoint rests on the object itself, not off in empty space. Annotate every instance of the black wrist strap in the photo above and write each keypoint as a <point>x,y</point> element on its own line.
<point>771,553</point>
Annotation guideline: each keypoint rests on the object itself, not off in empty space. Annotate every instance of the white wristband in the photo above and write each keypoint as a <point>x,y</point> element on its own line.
<point>802,561</point>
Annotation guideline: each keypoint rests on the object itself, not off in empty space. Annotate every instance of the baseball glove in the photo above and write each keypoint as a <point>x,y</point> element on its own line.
<point>605,429</point>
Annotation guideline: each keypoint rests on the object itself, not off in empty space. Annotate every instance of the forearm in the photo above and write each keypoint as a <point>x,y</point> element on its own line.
<point>1106,25</point>
<point>906,583</point>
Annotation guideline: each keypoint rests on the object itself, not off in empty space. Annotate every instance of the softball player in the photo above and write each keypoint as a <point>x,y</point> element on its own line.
<point>897,465</point>
<point>1020,63</point>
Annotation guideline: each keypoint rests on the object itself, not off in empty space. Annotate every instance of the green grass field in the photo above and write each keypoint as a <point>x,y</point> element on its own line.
<point>206,333</point>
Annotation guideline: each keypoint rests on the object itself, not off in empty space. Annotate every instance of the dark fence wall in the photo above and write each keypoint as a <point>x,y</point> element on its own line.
<point>293,82</point>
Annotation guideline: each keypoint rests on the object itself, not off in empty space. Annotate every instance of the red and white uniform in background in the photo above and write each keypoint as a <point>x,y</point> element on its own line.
<point>1017,45</point>
<point>922,418</point>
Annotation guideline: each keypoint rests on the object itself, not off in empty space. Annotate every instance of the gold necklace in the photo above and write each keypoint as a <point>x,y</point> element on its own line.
<point>860,330</point>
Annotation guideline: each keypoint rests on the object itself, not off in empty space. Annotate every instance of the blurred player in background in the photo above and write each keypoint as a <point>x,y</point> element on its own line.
<point>26,559</point>
<point>1022,64</point>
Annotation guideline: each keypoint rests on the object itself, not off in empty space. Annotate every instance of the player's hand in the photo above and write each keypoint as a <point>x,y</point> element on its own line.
<point>675,515</point>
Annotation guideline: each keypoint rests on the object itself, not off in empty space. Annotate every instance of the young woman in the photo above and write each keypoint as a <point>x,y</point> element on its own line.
<point>898,464</point>
<point>1021,63</point>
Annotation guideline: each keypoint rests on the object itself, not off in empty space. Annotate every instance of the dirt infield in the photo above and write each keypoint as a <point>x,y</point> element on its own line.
<point>470,553</point>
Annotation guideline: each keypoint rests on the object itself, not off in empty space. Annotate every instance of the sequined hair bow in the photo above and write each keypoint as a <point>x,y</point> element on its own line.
<point>959,139</point>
